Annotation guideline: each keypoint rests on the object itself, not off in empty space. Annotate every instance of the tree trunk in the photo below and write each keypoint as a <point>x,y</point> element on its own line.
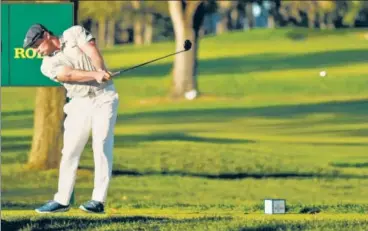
<point>111,33</point>
<point>101,31</point>
<point>310,22</point>
<point>311,19</point>
<point>48,128</point>
<point>179,70</point>
<point>224,8</point>
<point>185,63</point>
<point>222,25</point>
<point>138,32</point>
<point>249,14</point>
<point>321,20</point>
<point>271,21</point>
<point>330,24</point>
<point>138,25</point>
<point>148,30</point>
<point>234,16</point>
<point>312,13</point>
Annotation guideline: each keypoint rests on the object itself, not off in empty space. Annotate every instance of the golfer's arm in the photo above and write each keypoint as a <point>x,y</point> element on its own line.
<point>91,50</point>
<point>68,74</point>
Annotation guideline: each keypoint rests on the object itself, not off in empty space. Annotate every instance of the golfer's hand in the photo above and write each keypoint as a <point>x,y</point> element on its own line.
<point>109,75</point>
<point>102,76</point>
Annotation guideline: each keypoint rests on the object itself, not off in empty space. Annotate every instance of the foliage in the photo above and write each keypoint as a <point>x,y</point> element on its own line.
<point>96,9</point>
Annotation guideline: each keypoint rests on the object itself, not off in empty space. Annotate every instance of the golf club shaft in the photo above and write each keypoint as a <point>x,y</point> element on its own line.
<point>131,68</point>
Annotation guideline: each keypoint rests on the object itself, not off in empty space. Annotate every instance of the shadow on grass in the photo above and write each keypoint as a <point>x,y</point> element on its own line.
<point>7,205</point>
<point>354,110</point>
<point>9,143</point>
<point>232,176</point>
<point>10,139</point>
<point>349,165</point>
<point>270,227</point>
<point>64,223</point>
<point>129,140</point>
<point>121,141</point>
<point>348,112</point>
<point>15,147</point>
<point>333,143</point>
<point>15,143</point>
<point>260,62</point>
<point>17,119</point>
<point>16,113</point>
<point>278,225</point>
<point>359,132</point>
<point>57,223</point>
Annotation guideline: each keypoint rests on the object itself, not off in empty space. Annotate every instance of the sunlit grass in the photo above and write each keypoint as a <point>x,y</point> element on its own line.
<point>266,126</point>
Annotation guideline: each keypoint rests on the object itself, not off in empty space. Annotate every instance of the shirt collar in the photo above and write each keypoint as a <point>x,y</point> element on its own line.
<point>62,46</point>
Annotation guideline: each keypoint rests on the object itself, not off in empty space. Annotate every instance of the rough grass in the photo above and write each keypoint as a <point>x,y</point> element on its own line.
<point>265,126</point>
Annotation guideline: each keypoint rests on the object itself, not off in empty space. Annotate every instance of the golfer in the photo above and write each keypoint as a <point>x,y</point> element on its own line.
<point>74,61</point>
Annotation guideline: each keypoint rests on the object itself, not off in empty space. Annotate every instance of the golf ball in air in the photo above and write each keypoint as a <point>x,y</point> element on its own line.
<point>322,73</point>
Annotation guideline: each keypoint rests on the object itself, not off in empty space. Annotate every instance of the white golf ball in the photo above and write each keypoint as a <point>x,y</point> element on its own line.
<point>190,95</point>
<point>323,73</point>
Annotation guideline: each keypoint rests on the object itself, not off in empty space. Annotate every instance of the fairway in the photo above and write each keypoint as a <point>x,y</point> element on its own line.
<point>266,126</point>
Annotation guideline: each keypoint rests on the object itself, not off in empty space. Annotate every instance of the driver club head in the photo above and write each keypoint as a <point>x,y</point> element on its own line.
<point>187,45</point>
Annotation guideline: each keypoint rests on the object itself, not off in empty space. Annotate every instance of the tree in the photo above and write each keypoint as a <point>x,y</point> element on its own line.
<point>249,13</point>
<point>326,14</point>
<point>138,27</point>
<point>48,128</point>
<point>105,13</point>
<point>272,7</point>
<point>310,9</point>
<point>187,17</point>
<point>353,10</point>
<point>135,14</point>
<point>143,19</point>
<point>150,9</point>
<point>290,10</point>
<point>224,8</point>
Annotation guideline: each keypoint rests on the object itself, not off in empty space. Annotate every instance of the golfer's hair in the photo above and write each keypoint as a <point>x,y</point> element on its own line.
<point>50,32</point>
<point>47,30</point>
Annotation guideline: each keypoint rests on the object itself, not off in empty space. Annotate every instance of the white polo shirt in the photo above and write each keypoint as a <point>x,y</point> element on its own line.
<point>71,55</point>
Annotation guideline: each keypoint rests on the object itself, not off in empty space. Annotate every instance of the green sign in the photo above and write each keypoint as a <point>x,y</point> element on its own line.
<point>21,67</point>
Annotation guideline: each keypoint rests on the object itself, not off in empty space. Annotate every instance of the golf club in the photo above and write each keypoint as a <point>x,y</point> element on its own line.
<point>187,46</point>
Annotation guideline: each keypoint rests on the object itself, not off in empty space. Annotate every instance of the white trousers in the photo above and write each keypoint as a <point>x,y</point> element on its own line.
<point>83,115</point>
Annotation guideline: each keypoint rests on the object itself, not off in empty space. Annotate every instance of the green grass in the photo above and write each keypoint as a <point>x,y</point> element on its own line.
<point>266,126</point>
<point>179,220</point>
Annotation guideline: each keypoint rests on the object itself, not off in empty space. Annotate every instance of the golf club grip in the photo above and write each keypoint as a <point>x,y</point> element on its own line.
<point>131,68</point>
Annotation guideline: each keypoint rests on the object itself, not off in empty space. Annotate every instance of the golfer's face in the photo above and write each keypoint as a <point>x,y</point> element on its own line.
<point>43,47</point>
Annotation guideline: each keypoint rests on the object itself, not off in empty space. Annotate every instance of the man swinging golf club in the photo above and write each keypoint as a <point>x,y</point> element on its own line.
<point>75,62</point>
